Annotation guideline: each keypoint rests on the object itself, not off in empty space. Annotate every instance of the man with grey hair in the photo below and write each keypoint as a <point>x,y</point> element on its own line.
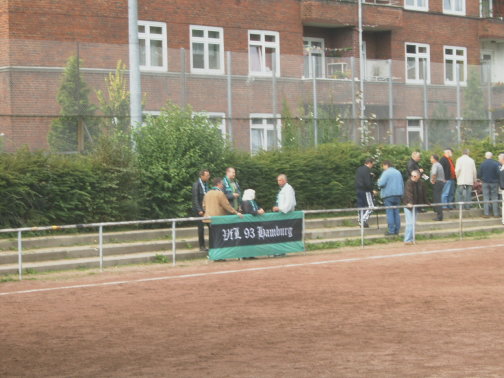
<point>286,198</point>
<point>465,169</point>
<point>489,176</point>
<point>501,182</point>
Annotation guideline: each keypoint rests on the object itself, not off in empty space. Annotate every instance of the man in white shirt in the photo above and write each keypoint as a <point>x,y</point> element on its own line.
<point>465,169</point>
<point>286,198</point>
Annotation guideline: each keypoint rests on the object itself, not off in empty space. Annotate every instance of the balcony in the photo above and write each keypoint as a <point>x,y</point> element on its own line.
<point>378,14</point>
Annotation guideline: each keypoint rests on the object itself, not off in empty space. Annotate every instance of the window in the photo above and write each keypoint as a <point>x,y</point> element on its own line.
<point>207,50</point>
<point>262,132</point>
<point>216,119</point>
<point>415,132</point>
<point>454,7</point>
<point>417,63</point>
<point>421,5</point>
<point>486,66</point>
<point>153,46</point>
<point>486,8</point>
<point>314,57</point>
<point>455,59</point>
<point>263,46</point>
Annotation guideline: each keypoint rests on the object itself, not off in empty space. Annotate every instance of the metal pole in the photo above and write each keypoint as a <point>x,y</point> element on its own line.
<point>361,229</point>
<point>20,256</point>
<point>274,99</point>
<point>414,223</point>
<point>491,125</point>
<point>134,66</point>
<point>391,104</point>
<point>229,125</point>
<point>354,110</point>
<point>100,243</point>
<point>315,103</point>
<point>459,119</point>
<point>460,221</point>
<point>425,108</point>
<point>361,68</point>
<point>183,76</point>
<point>174,243</point>
<point>304,229</point>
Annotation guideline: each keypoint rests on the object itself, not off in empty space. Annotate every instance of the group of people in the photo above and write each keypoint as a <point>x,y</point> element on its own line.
<point>225,197</point>
<point>449,181</point>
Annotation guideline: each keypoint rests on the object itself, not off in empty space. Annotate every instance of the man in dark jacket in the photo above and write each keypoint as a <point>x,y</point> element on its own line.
<point>448,194</point>
<point>232,189</point>
<point>413,163</point>
<point>414,194</point>
<point>364,188</point>
<point>489,175</point>
<point>199,189</point>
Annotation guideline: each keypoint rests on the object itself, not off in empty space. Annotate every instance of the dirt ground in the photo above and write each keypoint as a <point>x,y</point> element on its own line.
<point>377,312</point>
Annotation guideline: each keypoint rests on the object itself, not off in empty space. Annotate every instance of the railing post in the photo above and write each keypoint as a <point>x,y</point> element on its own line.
<point>315,100</point>
<point>229,124</point>
<point>174,243</point>
<point>100,245</point>
<point>460,221</point>
<point>361,228</point>
<point>413,209</point>
<point>20,256</point>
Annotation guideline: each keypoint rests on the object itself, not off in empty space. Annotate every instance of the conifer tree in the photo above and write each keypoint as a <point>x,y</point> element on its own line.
<point>75,108</point>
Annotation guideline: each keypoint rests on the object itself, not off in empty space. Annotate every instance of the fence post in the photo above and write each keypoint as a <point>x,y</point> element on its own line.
<point>354,107</point>
<point>183,76</point>
<point>100,245</point>
<point>459,117</point>
<point>425,108</point>
<point>20,256</point>
<point>391,104</point>
<point>274,99</point>
<point>229,125</point>
<point>460,221</point>
<point>174,243</point>
<point>360,215</point>
<point>413,209</point>
<point>315,101</point>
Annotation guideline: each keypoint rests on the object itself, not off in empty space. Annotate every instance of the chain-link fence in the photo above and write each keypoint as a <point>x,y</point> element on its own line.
<point>65,95</point>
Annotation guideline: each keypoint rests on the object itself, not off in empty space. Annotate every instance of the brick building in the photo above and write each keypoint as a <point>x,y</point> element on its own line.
<point>219,57</point>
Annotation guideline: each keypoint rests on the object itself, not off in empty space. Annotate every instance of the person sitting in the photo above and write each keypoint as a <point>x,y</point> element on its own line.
<point>249,204</point>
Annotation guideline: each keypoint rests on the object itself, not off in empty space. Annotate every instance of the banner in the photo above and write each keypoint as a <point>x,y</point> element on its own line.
<point>233,237</point>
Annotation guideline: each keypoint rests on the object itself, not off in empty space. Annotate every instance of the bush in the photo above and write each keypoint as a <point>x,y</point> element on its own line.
<point>171,149</point>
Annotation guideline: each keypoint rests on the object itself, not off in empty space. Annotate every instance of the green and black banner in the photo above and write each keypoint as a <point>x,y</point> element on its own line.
<point>233,237</point>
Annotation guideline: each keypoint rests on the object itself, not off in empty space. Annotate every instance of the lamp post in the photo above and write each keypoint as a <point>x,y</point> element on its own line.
<point>134,65</point>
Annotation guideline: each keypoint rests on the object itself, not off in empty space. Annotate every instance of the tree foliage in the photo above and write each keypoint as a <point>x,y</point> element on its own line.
<point>171,149</point>
<point>73,98</point>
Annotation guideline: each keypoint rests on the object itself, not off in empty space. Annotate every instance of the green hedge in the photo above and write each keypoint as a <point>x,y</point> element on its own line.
<point>40,188</point>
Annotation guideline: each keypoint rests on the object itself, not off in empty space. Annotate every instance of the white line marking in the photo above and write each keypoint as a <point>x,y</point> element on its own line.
<point>194,275</point>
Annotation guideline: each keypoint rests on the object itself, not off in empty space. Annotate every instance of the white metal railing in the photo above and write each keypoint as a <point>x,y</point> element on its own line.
<point>174,221</point>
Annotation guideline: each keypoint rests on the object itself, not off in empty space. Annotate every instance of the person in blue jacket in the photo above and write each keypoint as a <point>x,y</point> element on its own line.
<point>391,191</point>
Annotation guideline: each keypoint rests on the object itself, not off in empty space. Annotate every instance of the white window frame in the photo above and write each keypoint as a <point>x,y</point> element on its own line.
<point>455,58</point>
<point>216,115</point>
<point>147,36</point>
<point>266,127</point>
<point>263,44</point>
<point>419,129</point>
<point>206,41</point>
<point>417,57</point>
<point>416,6</point>
<point>310,50</point>
<point>452,10</point>
<point>490,9</point>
